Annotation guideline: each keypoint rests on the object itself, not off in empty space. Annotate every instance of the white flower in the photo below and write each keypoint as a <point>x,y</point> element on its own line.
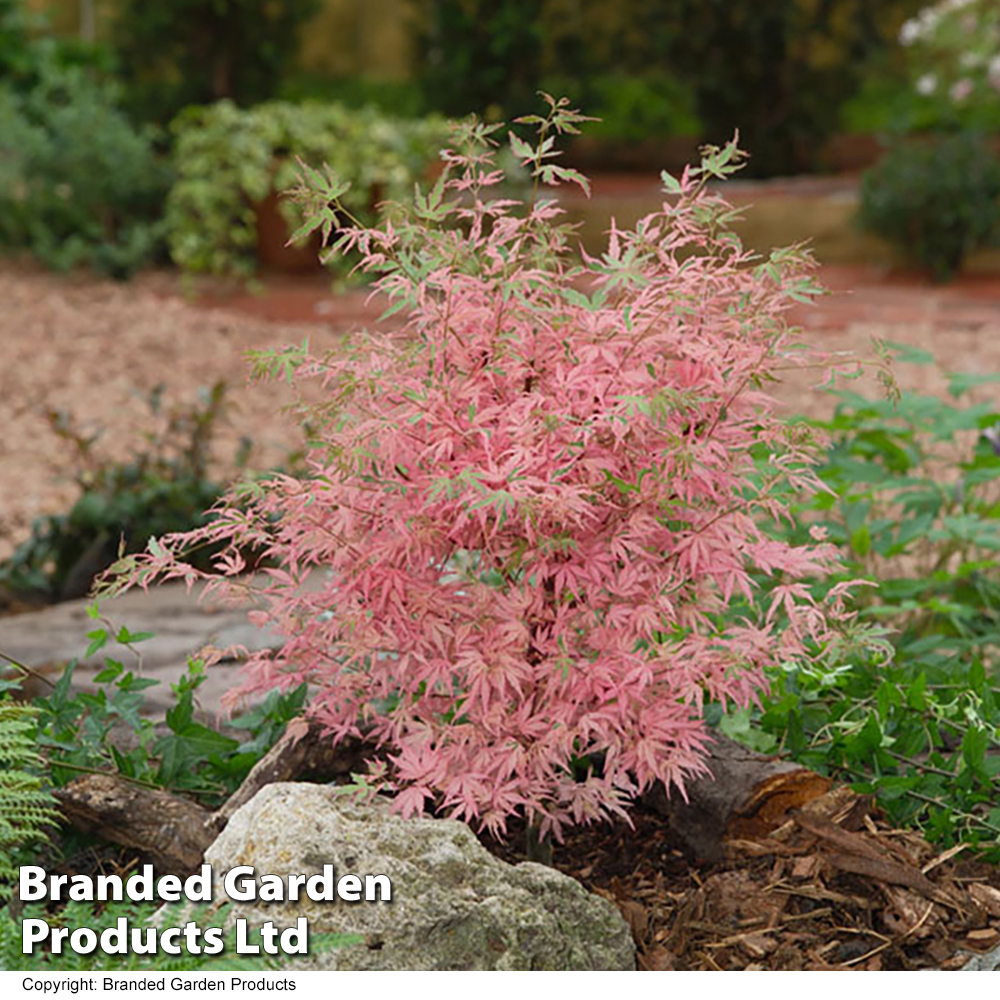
<point>909,32</point>
<point>929,19</point>
<point>926,84</point>
<point>993,71</point>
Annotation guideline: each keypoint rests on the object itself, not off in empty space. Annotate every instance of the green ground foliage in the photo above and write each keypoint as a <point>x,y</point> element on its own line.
<point>912,712</point>
<point>108,730</point>
<point>168,486</point>
<point>71,732</point>
<point>27,810</point>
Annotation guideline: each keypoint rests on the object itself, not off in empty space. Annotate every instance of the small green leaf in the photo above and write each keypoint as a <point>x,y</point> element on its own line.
<point>670,183</point>
<point>861,540</point>
<point>98,640</point>
<point>908,354</point>
<point>974,744</point>
<point>915,694</point>
<point>110,672</point>
<point>961,382</point>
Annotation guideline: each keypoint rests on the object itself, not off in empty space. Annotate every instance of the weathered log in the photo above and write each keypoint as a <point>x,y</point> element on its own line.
<point>746,795</point>
<point>171,830</point>
<point>175,832</point>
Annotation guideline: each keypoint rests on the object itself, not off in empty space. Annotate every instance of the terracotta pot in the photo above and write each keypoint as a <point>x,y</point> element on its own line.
<point>272,236</point>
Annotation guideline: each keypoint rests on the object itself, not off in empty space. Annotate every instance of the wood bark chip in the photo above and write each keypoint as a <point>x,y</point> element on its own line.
<point>865,856</point>
<point>885,871</point>
<point>987,897</point>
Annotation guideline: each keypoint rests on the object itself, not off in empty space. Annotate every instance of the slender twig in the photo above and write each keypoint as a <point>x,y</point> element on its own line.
<point>923,767</point>
<point>28,671</point>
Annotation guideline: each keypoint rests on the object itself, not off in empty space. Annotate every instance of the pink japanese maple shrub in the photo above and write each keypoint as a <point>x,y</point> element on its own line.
<point>535,502</point>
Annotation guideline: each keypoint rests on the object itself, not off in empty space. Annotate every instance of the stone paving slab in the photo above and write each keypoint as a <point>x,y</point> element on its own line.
<point>181,623</point>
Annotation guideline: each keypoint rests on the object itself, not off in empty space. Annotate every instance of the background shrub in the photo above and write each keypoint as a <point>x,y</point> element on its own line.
<point>954,50</point>
<point>633,106</point>
<point>227,159</point>
<point>936,199</point>
<point>944,75</point>
<point>79,184</point>
<point>890,103</point>
<point>777,71</point>
<point>29,53</point>
<point>478,55</point>
<point>178,52</point>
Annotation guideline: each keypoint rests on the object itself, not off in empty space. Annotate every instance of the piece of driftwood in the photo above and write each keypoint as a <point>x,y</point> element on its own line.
<point>302,751</point>
<point>170,829</point>
<point>746,794</point>
<point>174,831</point>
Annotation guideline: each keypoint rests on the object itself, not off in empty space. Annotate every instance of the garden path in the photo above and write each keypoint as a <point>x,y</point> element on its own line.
<point>181,623</point>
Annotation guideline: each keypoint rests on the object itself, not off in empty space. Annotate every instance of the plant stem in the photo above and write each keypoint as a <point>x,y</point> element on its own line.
<point>26,670</point>
<point>538,847</point>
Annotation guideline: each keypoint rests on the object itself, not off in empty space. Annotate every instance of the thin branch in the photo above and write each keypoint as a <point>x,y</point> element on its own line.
<point>26,670</point>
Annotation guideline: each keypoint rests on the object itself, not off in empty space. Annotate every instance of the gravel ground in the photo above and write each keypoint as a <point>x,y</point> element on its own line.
<point>95,349</point>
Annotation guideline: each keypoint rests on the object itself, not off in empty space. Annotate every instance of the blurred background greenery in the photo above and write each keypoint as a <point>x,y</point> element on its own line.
<point>788,73</point>
<point>104,162</point>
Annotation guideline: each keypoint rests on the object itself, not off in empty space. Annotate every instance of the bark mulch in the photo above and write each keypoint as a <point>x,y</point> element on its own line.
<point>833,887</point>
<point>829,886</point>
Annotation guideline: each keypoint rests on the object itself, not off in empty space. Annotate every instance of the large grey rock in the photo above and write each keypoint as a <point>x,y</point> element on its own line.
<point>987,962</point>
<point>454,906</point>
